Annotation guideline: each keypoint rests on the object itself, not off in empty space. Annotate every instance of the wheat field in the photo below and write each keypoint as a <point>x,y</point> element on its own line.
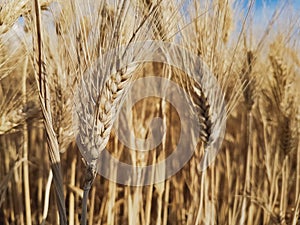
<point>55,68</point>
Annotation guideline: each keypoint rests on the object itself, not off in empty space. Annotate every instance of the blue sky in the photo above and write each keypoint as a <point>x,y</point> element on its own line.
<point>273,3</point>
<point>269,6</point>
<point>264,10</point>
<point>260,3</point>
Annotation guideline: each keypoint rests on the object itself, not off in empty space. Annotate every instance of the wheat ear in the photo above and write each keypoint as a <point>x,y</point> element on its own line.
<point>100,111</point>
<point>102,92</point>
<point>207,102</point>
<point>210,108</point>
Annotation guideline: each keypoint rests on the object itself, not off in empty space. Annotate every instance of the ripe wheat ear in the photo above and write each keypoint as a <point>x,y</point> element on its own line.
<point>101,93</point>
<point>96,115</point>
<point>203,92</point>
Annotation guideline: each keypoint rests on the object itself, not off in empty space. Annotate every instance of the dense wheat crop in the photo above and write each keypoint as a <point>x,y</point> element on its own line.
<point>65,89</point>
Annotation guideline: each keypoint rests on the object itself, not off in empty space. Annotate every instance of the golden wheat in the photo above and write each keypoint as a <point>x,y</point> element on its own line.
<point>253,180</point>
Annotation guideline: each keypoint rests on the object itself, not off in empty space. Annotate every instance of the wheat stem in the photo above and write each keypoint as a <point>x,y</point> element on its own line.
<point>89,179</point>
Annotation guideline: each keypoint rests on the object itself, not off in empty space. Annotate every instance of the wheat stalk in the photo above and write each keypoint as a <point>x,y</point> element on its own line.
<point>45,103</point>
